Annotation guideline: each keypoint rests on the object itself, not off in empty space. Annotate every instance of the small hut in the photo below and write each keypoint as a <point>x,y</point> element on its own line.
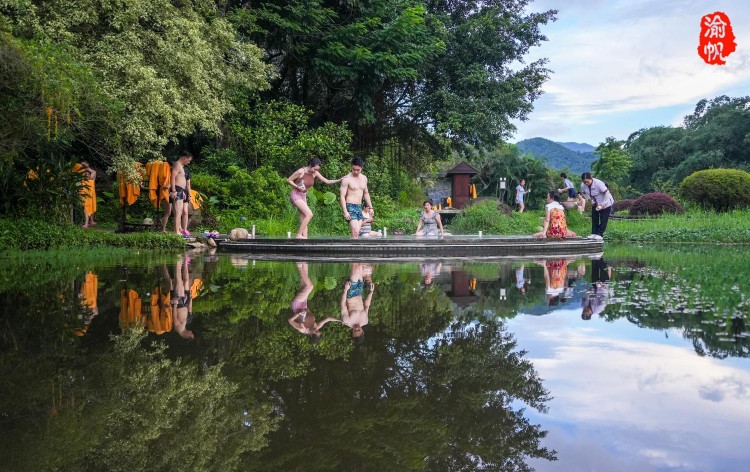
<point>460,186</point>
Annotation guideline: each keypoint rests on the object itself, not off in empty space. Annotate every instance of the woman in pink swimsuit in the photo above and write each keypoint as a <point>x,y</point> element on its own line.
<point>301,181</point>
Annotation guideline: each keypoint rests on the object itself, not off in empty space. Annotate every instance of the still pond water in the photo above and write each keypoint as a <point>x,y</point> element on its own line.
<point>638,361</point>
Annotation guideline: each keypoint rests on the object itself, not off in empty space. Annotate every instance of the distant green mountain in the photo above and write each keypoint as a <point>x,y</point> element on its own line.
<point>578,147</point>
<point>559,155</point>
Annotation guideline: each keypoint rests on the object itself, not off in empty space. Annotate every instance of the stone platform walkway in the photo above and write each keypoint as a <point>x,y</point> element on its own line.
<point>400,247</point>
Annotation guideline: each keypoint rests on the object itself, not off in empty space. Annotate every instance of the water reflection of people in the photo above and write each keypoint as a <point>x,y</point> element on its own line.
<point>303,320</point>
<point>182,300</point>
<point>160,319</point>
<point>355,311</point>
<point>430,270</point>
<point>89,301</point>
<point>573,276</point>
<point>555,275</point>
<point>521,281</point>
<point>596,298</point>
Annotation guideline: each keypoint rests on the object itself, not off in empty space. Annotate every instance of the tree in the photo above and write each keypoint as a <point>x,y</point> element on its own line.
<point>163,69</point>
<point>717,134</point>
<point>654,152</point>
<point>402,69</point>
<point>614,163</point>
<point>506,162</point>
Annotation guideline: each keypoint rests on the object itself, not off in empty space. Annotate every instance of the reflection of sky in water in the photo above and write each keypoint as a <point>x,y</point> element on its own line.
<point>627,398</point>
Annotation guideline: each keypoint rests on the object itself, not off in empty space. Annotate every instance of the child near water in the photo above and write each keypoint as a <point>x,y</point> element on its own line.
<point>365,231</point>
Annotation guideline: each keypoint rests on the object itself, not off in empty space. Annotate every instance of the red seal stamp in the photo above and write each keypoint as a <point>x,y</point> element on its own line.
<point>716,40</point>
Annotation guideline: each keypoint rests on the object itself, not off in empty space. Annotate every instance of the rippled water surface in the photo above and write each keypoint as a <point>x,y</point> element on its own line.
<point>637,361</point>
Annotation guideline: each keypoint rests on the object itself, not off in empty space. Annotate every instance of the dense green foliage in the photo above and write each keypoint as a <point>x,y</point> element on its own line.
<point>717,189</point>
<point>507,162</point>
<point>156,70</point>
<point>655,203</point>
<point>613,165</point>
<point>399,82</point>
<point>557,156</point>
<point>485,217</point>
<point>416,72</point>
<point>714,136</point>
<point>26,234</point>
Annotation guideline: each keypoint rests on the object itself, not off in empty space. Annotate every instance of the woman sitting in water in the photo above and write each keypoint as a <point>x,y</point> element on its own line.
<point>429,221</point>
<point>555,224</point>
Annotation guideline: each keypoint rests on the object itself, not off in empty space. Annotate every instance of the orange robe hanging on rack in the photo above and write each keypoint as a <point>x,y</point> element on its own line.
<point>129,192</point>
<point>164,181</point>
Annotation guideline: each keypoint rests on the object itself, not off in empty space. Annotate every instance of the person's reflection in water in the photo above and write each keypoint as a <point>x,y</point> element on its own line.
<point>182,301</point>
<point>160,321</point>
<point>303,320</point>
<point>596,298</point>
<point>430,270</point>
<point>89,299</point>
<point>555,275</point>
<point>521,281</point>
<point>354,311</point>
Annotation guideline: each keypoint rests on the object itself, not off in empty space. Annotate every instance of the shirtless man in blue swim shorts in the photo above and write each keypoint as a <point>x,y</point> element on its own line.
<point>355,312</point>
<point>353,190</point>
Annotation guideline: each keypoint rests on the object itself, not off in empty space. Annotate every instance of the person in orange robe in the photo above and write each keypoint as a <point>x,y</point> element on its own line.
<point>87,192</point>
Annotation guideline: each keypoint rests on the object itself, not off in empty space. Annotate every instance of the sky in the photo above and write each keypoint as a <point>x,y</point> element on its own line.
<point>622,65</point>
<point>632,399</point>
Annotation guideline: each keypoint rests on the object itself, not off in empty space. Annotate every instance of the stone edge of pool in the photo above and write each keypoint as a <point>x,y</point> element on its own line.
<point>400,247</point>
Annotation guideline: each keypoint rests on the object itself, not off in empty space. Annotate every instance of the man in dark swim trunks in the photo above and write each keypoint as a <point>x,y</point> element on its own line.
<point>182,300</point>
<point>354,311</point>
<point>179,190</point>
<point>353,190</point>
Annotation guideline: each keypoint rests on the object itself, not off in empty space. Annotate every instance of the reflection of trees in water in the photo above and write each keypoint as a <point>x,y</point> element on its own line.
<point>702,295</point>
<point>422,393</point>
<point>410,405</point>
<point>131,409</point>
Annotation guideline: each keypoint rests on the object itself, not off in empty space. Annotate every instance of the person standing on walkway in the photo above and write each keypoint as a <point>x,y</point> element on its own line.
<point>353,191</point>
<point>520,193</point>
<point>302,181</point>
<point>88,194</point>
<point>179,191</point>
<point>601,203</point>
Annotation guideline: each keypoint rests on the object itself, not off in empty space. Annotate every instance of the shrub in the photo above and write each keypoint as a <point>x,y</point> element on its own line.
<point>26,234</point>
<point>402,220</point>
<point>621,205</point>
<point>486,217</point>
<point>501,207</point>
<point>655,204</point>
<point>717,189</point>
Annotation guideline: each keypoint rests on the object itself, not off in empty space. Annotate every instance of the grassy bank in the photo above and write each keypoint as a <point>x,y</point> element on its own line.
<point>27,235</point>
<point>694,226</point>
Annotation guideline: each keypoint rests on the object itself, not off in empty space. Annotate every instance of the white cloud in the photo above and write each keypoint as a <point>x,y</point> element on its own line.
<point>635,401</point>
<point>625,57</point>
